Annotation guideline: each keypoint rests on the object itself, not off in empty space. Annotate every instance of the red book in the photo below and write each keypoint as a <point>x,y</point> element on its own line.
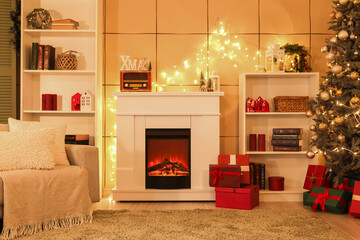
<point>224,175</point>
<point>239,198</point>
<point>49,57</point>
<point>355,203</point>
<point>252,142</point>
<point>315,176</point>
<point>261,142</point>
<point>40,65</point>
<point>46,102</point>
<point>242,160</point>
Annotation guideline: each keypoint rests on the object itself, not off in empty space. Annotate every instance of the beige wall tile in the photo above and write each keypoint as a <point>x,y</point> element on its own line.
<point>320,10</point>
<point>229,145</point>
<point>182,16</point>
<point>130,16</point>
<point>238,16</point>
<point>229,108</point>
<point>174,50</point>
<point>284,16</point>
<point>318,61</point>
<point>242,61</point>
<point>136,46</point>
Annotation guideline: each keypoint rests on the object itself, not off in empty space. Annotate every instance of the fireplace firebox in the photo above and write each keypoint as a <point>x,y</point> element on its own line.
<point>168,158</point>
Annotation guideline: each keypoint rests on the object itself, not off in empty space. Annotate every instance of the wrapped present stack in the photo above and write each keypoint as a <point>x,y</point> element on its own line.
<point>287,139</point>
<point>335,198</point>
<point>231,179</point>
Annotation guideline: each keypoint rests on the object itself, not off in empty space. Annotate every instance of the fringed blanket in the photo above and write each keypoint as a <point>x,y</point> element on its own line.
<point>41,200</point>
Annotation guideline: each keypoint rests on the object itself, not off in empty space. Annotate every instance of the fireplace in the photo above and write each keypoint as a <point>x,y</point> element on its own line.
<point>168,158</point>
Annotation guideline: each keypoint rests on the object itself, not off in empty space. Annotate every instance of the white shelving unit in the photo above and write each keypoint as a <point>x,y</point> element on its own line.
<point>291,165</point>
<point>64,83</point>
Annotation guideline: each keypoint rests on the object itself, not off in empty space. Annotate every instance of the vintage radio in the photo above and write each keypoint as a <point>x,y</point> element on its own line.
<point>135,81</point>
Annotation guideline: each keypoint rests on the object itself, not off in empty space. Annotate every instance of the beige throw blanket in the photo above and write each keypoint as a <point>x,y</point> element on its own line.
<point>37,200</point>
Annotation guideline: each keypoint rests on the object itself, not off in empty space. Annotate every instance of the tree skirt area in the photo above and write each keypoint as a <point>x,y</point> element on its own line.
<point>197,224</point>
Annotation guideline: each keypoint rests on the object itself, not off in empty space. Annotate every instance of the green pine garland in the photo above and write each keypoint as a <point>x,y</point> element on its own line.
<point>302,65</point>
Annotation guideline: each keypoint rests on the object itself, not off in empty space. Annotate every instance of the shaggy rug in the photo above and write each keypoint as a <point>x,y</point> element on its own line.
<point>197,224</point>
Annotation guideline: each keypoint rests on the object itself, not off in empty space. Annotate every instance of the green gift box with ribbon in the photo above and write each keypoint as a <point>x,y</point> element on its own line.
<point>305,195</point>
<point>327,199</point>
<point>347,185</point>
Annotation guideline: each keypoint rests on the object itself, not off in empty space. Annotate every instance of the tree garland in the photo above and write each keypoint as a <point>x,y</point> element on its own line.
<point>301,64</point>
<point>39,18</point>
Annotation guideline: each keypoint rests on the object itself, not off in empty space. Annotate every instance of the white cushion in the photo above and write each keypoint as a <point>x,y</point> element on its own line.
<point>60,154</point>
<point>32,149</point>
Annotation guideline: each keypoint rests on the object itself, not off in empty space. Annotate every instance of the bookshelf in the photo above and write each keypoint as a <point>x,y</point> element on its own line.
<point>65,83</point>
<point>291,165</point>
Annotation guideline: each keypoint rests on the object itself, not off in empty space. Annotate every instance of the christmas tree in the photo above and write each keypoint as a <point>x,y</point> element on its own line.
<point>336,109</point>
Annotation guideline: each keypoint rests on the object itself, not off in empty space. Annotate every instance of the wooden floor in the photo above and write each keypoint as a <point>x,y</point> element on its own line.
<point>344,224</point>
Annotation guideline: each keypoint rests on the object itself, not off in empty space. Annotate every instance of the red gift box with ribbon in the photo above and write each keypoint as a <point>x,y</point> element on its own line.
<point>355,203</point>
<point>242,160</point>
<point>315,176</point>
<point>239,198</point>
<point>224,175</point>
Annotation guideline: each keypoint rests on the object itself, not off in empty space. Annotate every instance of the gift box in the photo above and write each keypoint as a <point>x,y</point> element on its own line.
<point>305,195</point>
<point>315,176</point>
<point>224,175</point>
<point>355,203</point>
<point>239,198</point>
<point>347,185</point>
<point>242,160</point>
<point>327,199</point>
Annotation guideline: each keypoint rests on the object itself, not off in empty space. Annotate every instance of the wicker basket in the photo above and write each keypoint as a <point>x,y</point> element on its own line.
<point>291,103</point>
<point>66,61</point>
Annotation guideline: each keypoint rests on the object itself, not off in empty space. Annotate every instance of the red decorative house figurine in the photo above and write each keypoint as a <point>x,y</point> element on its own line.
<point>258,103</point>
<point>76,102</point>
<point>250,105</point>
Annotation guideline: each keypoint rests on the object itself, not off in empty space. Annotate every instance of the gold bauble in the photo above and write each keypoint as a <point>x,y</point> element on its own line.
<point>352,36</point>
<point>343,1</point>
<point>341,138</point>
<point>310,154</point>
<point>340,74</point>
<point>343,35</point>
<point>331,112</point>
<point>356,2</point>
<point>338,15</point>
<point>324,49</point>
<point>314,137</point>
<point>323,126</point>
<point>339,93</point>
<point>336,69</point>
<point>354,101</point>
<point>325,96</point>
<point>329,56</point>
<point>312,127</point>
<point>309,113</point>
<point>322,107</point>
<point>354,75</point>
<point>339,120</point>
<point>332,15</point>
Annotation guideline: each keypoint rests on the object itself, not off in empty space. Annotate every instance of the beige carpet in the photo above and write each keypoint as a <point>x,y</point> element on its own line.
<point>197,224</point>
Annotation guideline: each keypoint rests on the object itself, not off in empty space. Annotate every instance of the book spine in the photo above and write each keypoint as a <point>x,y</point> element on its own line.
<point>252,173</point>
<point>51,58</point>
<point>287,131</point>
<point>46,57</point>
<point>257,174</point>
<point>40,65</point>
<point>262,176</point>
<point>34,55</point>
<point>286,148</point>
<point>278,137</point>
<point>286,142</point>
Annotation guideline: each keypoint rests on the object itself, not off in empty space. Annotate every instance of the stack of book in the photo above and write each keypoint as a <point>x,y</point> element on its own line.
<point>287,139</point>
<point>42,57</point>
<point>64,24</point>
<point>257,174</point>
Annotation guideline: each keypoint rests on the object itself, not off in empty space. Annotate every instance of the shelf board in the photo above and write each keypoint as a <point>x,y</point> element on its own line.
<point>58,112</point>
<point>59,33</point>
<point>282,75</point>
<point>274,153</point>
<point>61,72</point>
<point>274,113</point>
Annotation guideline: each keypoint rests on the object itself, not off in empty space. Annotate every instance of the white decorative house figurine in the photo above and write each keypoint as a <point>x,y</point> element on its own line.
<point>85,102</point>
<point>275,59</point>
<point>215,82</point>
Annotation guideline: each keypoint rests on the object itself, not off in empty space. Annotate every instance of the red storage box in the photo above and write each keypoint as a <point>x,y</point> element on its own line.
<point>354,210</point>
<point>276,183</point>
<point>239,198</point>
<point>242,160</point>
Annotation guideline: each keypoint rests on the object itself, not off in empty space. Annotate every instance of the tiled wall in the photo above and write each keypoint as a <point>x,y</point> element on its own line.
<point>170,31</point>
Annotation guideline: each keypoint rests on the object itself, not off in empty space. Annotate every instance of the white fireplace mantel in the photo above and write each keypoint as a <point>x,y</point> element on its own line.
<point>138,111</point>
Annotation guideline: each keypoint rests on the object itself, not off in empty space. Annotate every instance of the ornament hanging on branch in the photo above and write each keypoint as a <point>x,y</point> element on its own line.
<point>354,75</point>
<point>310,154</point>
<point>312,127</point>
<point>324,96</point>
<point>330,56</point>
<point>354,101</point>
<point>343,1</point>
<point>323,126</point>
<point>343,35</point>
<point>332,15</point>
<point>314,137</point>
<point>333,39</point>
<point>339,120</point>
<point>339,93</point>
<point>336,69</point>
<point>352,36</point>
<point>324,49</point>
<point>309,113</point>
<point>341,138</point>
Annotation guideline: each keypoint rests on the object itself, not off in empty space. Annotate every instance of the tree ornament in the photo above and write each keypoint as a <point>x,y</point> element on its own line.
<point>323,126</point>
<point>322,107</point>
<point>343,35</point>
<point>309,113</point>
<point>314,137</point>
<point>330,56</point>
<point>332,15</point>
<point>352,36</point>
<point>325,96</point>
<point>356,53</point>
<point>339,120</point>
<point>343,1</point>
<point>310,154</point>
<point>350,23</point>
<point>339,93</point>
<point>354,75</point>
<point>340,74</point>
<point>336,69</point>
<point>329,65</point>
<point>333,39</point>
<point>354,101</point>
<point>324,49</point>
<point>312,127</point>
<point>338,15</point>
<point>341,138</point>
<point>331,112</point>
<point>356,2</point>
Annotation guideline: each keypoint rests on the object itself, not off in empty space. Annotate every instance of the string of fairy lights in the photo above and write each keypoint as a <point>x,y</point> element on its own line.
<point>220,45</point>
